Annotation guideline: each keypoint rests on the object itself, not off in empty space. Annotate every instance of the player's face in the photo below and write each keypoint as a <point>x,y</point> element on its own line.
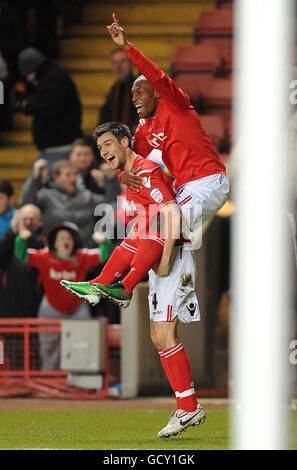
<point>112,151</point>
<point>64,244</point>
<point>82,157</point>
<point>144,98</point>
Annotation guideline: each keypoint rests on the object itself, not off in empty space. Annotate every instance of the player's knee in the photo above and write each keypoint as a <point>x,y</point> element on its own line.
<point>163,339</point>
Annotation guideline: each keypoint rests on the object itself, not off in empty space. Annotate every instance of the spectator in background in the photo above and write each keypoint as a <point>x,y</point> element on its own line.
<point>5,105</point>
<point>83,155</point>
<point>119,106</point>
<point>54,104</point>
<point>20,293</point>
<point>62,259</point>
<point>6,206</point>
<point>13,31</point>
<point>62,199</point>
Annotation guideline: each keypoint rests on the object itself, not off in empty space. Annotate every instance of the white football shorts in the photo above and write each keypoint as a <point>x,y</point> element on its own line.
<point>199,200</point>
<point>174,296</point>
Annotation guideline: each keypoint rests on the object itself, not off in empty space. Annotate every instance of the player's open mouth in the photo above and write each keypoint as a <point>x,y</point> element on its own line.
<point>139,107</point>
<point>110,159</point>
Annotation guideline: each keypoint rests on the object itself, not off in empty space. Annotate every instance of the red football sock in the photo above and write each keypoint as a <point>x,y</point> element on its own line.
<point>170,378</point>
<point>178,371</point>
<point>148,254</point>
<point>117,265</point>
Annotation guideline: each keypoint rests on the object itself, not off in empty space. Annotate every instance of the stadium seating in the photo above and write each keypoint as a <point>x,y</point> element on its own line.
<point>224,47</point>
<point>203,58</point>
<point>215,127</point>
<point>196,86</point>
<point>217,23</point>
<point>224,4</point>
<point>84,52</point>
<point>219,97</point>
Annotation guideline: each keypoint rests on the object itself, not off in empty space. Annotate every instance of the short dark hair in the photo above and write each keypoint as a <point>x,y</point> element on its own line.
<point>118,129</point>
<point>87,141</point>
<point>6,188</point>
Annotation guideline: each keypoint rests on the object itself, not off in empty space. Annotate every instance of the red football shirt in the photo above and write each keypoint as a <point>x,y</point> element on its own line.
<point>52,270</point>
<point>175,129</point>
<point>154,194</point>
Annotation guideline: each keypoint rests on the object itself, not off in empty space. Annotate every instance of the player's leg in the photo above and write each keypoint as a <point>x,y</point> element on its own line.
<point>117,265</point>
<point>177,367</point>
<point>172,298</point>
<point>148,253</point>
<point>175,362</point>
<point>165,338</point>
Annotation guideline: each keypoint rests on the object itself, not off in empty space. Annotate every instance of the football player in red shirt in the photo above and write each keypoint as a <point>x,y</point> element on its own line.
<point>145,246</point>
<point>138,255</point>
<point>170,128</point>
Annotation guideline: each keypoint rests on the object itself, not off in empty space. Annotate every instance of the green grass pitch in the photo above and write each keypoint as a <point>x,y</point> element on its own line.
<point>110,429</point>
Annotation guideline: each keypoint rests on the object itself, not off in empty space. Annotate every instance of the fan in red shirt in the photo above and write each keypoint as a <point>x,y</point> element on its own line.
<point>170,128</point>
<point>62,259</point>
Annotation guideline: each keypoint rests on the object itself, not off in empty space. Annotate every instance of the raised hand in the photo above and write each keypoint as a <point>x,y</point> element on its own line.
<point>40,168</point>
<point>117,32</point>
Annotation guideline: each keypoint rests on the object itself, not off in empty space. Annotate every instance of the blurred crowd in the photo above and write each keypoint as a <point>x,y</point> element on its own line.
<point>50,237</point>
<point>48,234</point>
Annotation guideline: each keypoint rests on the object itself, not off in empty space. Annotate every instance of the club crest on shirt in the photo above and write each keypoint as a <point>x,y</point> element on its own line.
<point>156,195</point>
<point>147,182</point>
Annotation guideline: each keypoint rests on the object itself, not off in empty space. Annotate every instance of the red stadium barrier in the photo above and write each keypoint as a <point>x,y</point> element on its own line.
<point>20,375</point>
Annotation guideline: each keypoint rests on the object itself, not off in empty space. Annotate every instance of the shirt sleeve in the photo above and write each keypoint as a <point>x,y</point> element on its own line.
<point>162,83</point>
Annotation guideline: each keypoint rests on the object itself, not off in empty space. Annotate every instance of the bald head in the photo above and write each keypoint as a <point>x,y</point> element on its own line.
<point>140,79</point>
<point>30,217</point>
<point>144,97</point>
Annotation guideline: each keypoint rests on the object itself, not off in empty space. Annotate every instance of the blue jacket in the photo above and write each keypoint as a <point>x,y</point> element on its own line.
<point>5,220</point>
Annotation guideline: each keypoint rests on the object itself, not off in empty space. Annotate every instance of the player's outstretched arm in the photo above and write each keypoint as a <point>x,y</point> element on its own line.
<point>162,83</point>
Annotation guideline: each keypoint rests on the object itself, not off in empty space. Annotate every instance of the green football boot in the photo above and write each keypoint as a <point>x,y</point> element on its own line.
<point>115,292</point>
<point>82,290</point>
